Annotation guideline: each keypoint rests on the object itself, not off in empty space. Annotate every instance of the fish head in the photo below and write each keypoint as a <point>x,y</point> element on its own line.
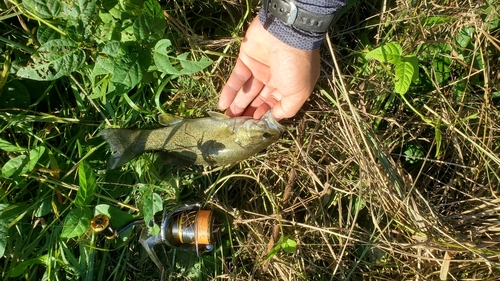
<point>261,132</point>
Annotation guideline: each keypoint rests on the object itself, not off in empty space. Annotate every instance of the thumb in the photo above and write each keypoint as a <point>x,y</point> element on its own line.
<point>287,107</point>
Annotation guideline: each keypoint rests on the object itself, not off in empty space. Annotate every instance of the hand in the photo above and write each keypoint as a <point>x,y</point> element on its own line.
<point>269,74</point>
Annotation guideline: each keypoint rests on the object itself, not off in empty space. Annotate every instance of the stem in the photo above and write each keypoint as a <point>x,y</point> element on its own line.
<point>17,45</point>
<point>35,17</point>
<point>417,112</point>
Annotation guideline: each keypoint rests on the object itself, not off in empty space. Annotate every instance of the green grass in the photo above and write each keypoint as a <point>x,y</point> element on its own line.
<point>369,182</point>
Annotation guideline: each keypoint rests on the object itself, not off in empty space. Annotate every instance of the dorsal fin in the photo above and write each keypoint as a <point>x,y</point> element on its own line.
<point>217,115</point>
<point>166,119</point>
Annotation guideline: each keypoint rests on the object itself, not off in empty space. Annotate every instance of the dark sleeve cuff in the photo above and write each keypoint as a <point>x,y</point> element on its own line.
<point>294,37</point>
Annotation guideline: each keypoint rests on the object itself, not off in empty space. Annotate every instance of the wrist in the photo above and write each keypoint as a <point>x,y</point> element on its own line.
<point>301,25</point>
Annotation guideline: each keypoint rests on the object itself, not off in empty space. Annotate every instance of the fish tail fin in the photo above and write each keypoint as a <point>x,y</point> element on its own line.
<point>121,142</point>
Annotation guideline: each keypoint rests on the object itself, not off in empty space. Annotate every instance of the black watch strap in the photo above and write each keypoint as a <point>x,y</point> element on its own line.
<point>290,14</point>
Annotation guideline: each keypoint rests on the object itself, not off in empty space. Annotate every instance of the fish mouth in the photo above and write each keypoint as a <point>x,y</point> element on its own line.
<point>271,121</point>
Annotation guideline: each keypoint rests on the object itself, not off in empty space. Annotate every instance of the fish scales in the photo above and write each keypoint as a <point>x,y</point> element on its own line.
<point>210,141</point>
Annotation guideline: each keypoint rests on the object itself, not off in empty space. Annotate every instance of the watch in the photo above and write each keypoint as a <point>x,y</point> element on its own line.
<point>290,14</point>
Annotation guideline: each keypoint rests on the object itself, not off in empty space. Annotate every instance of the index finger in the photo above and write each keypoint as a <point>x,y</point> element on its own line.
<point>240,75</point>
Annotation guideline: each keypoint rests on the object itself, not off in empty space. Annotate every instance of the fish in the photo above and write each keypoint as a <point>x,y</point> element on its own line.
<point>209,141</point>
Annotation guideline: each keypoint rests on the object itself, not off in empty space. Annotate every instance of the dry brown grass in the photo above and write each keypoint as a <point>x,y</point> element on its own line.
<point>342,187</point>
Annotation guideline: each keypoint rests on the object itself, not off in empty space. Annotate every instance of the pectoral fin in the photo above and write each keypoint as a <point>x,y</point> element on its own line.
<point>166,119</point>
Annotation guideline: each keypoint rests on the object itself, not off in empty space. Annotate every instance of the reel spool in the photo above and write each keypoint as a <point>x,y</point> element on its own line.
<point>193,230</point>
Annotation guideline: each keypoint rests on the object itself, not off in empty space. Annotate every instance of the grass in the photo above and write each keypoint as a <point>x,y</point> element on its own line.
<point>367,183</point>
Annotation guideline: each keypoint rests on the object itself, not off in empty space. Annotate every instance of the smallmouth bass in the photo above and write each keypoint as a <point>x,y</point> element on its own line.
<point>208,141</point>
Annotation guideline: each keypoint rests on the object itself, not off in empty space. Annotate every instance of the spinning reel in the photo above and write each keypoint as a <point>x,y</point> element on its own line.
<point>188,228</point>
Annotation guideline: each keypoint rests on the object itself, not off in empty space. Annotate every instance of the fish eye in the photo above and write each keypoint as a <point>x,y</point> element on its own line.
<point>266,135</point>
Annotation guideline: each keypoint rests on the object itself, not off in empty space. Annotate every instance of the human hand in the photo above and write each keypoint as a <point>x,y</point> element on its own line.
<point>269,74</point>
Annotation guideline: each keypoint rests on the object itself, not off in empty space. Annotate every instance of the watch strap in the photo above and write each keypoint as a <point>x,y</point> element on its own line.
<point>299,18</point>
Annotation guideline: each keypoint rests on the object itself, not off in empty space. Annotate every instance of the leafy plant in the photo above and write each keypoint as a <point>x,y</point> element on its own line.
<point>78,219</point>
<point>108,43</point>
<point>405,67</point>
<point>64,72</point>
<point>285,243</point>
<point>414,153</point>
<point>152,205</point>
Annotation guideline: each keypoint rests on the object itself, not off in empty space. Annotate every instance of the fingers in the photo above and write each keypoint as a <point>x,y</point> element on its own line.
<point>269,103</point>
<point>287,108</point>
<point>244,97</point>
<point>269,74</point>
<point>258,101</point>
<point>282,106</point>
<point>238,78</point>
<point>246,82</point>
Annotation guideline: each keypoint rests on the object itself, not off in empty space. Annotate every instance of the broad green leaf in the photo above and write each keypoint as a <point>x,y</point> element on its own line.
<point>150,25</point>
<point>15,166</point>
<point>161,56</point>
<point>44,9</point>
<point>108,29</point>
<point>81,15</point>
<point>132,6</point>
<point>165,62</point>
<point>288,245</point>
<point>127,31</point>
<point>76,30</point>
<point>35,155</point>
<point>460,89</point>
<point>464,36</point>
<point>77,221</point>
<point>53,60</point>
<point>123,63</point>
<point>152,204</point>
<point>190,67</point>
<point>4,229</point>
<point>112,7</point>
<point>390,52</point>
<point>404,74</point>
<point>44,208</point>
<point>23,163</point>
<point>112,49</point>
<point>88,185</point>
<point>45,34</point>
<point>80,9</point>
<point>441,62</point>
<point>414,62</point>
<point>7,146</point>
